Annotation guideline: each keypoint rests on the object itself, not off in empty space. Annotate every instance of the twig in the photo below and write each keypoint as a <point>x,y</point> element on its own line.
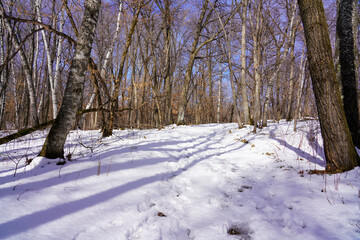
<point>22,194</point>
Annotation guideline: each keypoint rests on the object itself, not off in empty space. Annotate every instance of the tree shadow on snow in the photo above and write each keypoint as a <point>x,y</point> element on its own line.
<point>36,219</point>
<point>110,154</point>
<point>317,158</point>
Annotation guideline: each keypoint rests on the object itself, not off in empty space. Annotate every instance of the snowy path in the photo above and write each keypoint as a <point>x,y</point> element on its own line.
<point>182,182</point>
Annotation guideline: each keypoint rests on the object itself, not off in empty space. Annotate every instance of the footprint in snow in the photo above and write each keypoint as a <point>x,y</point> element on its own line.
<point>241,230</point>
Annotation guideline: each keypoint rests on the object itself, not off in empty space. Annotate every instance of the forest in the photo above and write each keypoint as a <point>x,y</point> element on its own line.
<point>179,119</point>
<point>154,63</point>
<point>187,62</point>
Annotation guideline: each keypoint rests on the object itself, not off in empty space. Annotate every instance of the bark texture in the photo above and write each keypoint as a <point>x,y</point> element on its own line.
<point>339,149</point>
<point>244,95</point>
<point>65,120</point>
<point>257,63</point>
<point>347,67</point>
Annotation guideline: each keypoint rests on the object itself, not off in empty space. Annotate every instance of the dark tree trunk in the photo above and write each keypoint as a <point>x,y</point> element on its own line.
<point>347,68</point>
<point>65,120</point>
<point>339,149</point>
<point>109,125</point>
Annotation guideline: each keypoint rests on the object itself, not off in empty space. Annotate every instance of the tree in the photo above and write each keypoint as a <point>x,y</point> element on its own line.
<point>109,125</point>
<point>65,120</point>
<point>27,69</point>
<point>344,29</point>
<point>339,149</point>
<point>245,102</point>
<point>227,52</point>
<point>257,59</point>
<point>201,24</point>
<point>166,72</point>
<point>2,75</point>
<point>287,44</point>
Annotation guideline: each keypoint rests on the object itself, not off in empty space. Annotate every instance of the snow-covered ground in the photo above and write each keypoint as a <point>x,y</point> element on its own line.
<point>210,181</point>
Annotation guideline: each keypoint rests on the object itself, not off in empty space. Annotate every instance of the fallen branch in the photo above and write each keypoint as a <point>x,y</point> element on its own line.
<point>25,131</point>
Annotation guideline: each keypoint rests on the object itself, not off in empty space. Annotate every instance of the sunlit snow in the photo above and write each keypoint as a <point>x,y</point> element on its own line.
<point>207,182</point>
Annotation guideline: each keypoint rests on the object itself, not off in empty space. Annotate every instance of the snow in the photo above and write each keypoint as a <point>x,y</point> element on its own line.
<point>210,181</point>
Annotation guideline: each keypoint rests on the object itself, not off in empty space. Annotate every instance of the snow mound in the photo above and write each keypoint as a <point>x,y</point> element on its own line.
<point>40,162</point>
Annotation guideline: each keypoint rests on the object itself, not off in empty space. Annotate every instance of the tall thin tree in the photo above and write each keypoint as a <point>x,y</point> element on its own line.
<point>65,120</point>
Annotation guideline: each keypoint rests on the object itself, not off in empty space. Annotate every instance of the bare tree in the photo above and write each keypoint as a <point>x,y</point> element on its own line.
<point>109,125</point>
<point>257,59</point>
<point>65,120</point>
<point>244,95</point>
<point>3,85</point>
<point>27,69</point>
<point>280,61</point>
<point>339,149</point>
<point>200,25</point>
<point>228,56</point>
<point>347,60</point>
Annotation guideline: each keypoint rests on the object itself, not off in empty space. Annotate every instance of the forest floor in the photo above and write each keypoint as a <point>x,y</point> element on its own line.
<point>210,181</point>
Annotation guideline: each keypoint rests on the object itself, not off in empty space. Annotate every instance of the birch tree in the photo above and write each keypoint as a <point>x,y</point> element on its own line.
<point>65,120</point>
<point>288,44</point>
<point>53,75</point>
<point>109,125</point>
<point>26,67</point>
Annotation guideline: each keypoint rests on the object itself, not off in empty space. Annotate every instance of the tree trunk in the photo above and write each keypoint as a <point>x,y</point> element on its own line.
<point>347,67</point>
<point>227,52</point>
<point>291,80</point>
<point>109,125</point>
<point>245,101</point>
<point>257,56</point>
<point>270,86</point>
<point>167,19</point>
<point>188,74</point>
<point>27,71</point>
<point>288,44</point>
<point>65,120</point>
<point>219,98</point>
<point>3,84</point>
<point>49,61</point>
<point>302,79</point>
<point>339,149</point>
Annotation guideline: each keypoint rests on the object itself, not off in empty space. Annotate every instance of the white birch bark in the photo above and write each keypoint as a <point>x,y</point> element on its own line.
<point>107,55</point>
<point>65,120</point>
<point>282,60</point>
<point>48,59</point>
<point>25,64</point>
<point>302,79</point>
<point>58,51</point>
<point>294,21</point>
